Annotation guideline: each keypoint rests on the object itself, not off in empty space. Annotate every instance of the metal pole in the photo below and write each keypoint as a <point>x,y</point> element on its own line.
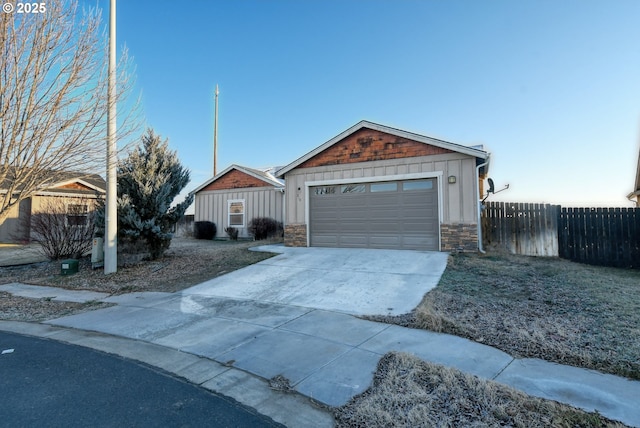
<point>111,217</point>
<point>215,135</point>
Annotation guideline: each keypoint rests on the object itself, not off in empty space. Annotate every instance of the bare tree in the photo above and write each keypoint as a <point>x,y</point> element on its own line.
<point>53,97</point>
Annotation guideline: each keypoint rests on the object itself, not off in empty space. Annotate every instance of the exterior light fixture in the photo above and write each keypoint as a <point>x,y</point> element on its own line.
<point>452,179</point>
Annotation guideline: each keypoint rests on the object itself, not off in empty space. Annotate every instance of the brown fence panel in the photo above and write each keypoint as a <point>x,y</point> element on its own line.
<point>600,236</point>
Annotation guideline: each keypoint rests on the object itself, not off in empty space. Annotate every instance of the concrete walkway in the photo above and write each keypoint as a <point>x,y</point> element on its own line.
<point>327,356</point>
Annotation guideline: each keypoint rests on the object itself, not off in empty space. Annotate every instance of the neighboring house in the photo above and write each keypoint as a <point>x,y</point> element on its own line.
<point>374,186</point>
<point>237,195</point>
<point>635,195</point>
<point>74,192</point>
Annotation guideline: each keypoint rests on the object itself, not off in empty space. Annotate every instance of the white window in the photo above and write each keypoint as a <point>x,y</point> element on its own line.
<point>417,185</point>
<point>384,187</point>
<point>77,214</point>
<point>236,212</point>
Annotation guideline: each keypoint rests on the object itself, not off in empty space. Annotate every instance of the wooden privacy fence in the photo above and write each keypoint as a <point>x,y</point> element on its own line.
<point>528,229</point>
<point>602,236</point>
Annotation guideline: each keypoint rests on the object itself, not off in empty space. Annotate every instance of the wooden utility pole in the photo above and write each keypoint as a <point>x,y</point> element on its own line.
<point>215,135</point>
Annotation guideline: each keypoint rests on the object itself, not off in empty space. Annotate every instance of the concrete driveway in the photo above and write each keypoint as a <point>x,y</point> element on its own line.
<point>353,281</point>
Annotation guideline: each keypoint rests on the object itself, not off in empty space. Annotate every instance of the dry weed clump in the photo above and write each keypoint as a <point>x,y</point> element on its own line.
<point>409,392</point>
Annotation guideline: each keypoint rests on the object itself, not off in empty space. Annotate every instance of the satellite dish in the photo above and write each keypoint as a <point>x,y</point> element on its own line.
<point>491,188</point>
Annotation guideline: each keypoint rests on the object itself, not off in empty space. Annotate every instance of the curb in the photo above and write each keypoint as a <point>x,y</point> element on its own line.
<point>285,407</point>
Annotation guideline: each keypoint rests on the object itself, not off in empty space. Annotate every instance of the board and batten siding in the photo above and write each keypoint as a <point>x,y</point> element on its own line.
<point>459,201</point>
<point>259,202</point>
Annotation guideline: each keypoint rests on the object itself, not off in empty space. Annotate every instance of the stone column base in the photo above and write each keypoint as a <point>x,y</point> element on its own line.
<point>459,237</point>
<point>295,235</point>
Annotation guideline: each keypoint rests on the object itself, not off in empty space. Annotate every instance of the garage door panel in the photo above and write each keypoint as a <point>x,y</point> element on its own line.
<point>325,240</point>
<point>353,241</point>
<point>383,219</point>
<point>376,227</point>
<point>384,241</point>
<point>355,227</point>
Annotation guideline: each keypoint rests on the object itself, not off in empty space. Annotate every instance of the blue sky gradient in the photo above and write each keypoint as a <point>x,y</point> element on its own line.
<point>551,88</point>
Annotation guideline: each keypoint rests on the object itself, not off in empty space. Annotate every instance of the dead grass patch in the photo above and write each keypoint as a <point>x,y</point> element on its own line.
<point>409,392</point>
<point>22,309</point>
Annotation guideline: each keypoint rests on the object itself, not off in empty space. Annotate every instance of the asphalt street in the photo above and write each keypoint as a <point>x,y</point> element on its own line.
<point>49,384</point>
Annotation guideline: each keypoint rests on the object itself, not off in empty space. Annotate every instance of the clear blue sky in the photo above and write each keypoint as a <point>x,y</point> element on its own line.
<point>551,88</point>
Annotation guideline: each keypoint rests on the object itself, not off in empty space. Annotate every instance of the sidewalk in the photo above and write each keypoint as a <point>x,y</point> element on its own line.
<point>327,357</point>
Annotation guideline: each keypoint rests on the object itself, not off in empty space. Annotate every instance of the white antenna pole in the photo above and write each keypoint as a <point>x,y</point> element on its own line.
<point>111,211</point>
<point>215,136</point>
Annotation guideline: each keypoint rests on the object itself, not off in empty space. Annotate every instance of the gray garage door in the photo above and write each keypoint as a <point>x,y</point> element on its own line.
<point>391,214</point>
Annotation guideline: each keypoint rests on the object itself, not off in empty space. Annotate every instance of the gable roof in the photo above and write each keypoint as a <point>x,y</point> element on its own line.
<point>471,151</point>
<point>265,174</point>
<point>57,179</point>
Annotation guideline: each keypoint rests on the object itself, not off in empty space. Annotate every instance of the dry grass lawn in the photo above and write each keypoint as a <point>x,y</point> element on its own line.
<point>585,316</point>
<point>548,308</point>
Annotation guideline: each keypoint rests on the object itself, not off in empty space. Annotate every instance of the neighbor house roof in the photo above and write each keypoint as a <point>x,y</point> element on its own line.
<point>264,174</point>
<point>67,181</point>
<point>636,189</point>
<point>471,151</point>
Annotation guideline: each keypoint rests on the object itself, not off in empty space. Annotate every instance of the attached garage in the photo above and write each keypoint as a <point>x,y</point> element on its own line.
<point>385,214</point>
<point>373,186</point>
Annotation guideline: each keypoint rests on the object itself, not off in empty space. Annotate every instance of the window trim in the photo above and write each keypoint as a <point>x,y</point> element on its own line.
<point>244,212</point>
<point>67,214</point>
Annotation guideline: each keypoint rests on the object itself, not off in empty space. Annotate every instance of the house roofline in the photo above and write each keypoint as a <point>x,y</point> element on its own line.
<point>74,180</point>
<point>249,171</point>
<point>389,130</point>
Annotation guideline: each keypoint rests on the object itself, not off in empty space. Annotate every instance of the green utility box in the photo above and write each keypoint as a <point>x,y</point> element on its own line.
<point>69,267</point>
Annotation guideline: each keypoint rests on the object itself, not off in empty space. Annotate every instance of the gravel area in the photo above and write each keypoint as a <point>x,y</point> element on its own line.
<point>186,263</point>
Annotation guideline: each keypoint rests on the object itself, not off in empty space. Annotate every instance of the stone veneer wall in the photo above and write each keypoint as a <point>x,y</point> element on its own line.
<point>295,235</point>
<point>459,237</point>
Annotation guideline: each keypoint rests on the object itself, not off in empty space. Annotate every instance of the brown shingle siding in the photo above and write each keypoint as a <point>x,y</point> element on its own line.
<point>368,145</point>
<point>235,179</point>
